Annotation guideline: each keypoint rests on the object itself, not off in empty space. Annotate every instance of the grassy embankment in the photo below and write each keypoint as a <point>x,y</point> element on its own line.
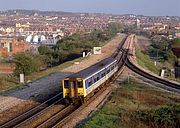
<point>136,105</point>
<point>145,61</point>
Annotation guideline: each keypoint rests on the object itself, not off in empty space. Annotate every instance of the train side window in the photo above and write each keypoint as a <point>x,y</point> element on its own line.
<point>66,83</point>
<point>89,82</point>
<point>108,70</point>
<point>98,76</point>
<point>86,84</point>
<point>95,79</point>
<point>80,84</point>
<point>102,75</point>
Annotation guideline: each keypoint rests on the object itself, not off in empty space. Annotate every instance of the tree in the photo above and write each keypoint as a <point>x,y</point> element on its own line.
<point>25,63</point>
<point>43,50</point>
<point>113,29</point>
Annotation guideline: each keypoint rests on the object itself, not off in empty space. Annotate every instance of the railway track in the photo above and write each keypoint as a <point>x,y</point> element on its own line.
<point>166,84</point>
<point>76,113</point>
<point>41,116</point>
<point>121,63</point>
<point>141,72</point>
<point>51,112</point>
<point>120,48</point>
<point>55,119</point>
<point>31,112</point>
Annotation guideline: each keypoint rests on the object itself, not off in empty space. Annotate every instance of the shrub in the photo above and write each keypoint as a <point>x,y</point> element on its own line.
<point>165,117</point>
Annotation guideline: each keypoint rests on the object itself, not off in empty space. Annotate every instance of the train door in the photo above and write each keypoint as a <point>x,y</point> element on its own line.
<point>73,88</point>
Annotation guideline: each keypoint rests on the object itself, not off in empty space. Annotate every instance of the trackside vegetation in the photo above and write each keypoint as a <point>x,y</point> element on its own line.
<point>144,60</point>
<point>136,105</point>
<point>161,52</point>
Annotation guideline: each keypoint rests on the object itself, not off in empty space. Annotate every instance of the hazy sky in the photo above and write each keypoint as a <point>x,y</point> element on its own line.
<point>145,7</point>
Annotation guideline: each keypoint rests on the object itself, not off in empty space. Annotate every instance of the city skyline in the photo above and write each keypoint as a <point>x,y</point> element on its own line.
<point>138,7</point>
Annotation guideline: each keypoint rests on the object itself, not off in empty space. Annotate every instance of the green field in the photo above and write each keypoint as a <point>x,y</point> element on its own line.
<point>137,105</point>
<point>144,61</point>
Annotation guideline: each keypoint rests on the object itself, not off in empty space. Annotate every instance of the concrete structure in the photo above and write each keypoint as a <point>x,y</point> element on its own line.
<point>138,23</point>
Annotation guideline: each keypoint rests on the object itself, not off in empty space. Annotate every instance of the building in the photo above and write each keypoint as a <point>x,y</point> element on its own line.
<point>138,23</point>
<point>176,50</point>
<point>12,45</point>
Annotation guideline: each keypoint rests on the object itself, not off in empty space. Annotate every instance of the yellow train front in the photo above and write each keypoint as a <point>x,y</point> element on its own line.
<point>82,85</point>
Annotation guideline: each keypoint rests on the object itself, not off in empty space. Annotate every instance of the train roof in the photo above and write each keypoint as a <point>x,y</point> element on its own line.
<point>92,69</point>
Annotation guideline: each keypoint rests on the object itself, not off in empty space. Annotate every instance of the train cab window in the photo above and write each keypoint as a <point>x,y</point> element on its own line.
<point>80,84</point>
<point>66,83</point>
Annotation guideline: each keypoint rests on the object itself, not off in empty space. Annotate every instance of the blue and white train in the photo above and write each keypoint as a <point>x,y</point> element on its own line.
<point>83,84</point>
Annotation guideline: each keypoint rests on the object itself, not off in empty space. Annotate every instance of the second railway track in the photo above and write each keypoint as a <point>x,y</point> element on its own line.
<point>139,71</point>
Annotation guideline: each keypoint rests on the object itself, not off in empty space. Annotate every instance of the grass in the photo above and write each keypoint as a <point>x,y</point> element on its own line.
<point>127,105</point>
<point>144,61</point>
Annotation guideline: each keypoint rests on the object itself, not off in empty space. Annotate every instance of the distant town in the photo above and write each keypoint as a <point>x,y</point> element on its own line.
<point>26,30</point>
<point>22,30</point>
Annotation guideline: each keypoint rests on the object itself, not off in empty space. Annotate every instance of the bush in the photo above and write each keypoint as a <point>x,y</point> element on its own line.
<point>43,50</point>
<point>165,117</point>
<point>27,63</point>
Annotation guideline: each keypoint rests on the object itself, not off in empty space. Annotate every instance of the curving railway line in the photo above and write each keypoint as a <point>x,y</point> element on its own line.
<point>165,84</point>
<point>171,86</point>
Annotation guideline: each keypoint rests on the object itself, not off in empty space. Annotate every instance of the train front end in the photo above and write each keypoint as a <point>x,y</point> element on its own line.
<point>73,89</point>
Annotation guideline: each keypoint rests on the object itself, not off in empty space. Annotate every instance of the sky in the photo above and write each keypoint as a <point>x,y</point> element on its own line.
<point>140,7</point>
